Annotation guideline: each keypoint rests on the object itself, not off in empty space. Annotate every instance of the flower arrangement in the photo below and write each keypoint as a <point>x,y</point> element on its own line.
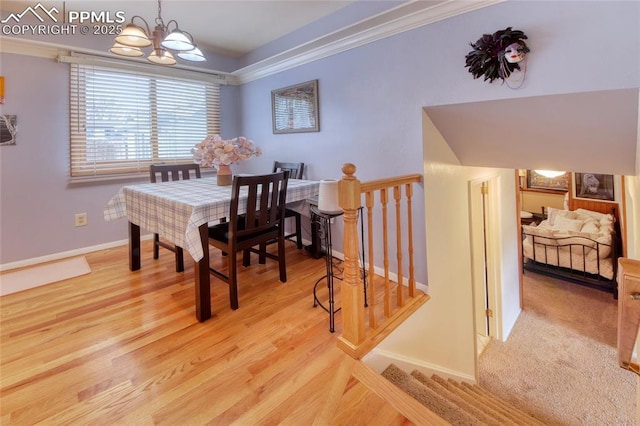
<point>215,151</point>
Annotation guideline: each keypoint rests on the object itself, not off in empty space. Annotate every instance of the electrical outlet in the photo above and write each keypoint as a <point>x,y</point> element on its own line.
<point>81,219</point>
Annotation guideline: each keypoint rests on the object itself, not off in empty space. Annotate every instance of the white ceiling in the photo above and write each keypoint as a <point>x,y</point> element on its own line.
<point>230,27</point>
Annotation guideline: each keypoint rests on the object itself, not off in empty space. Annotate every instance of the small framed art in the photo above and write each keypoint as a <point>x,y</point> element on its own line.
<point>295,108</point>
<point>595,186</point>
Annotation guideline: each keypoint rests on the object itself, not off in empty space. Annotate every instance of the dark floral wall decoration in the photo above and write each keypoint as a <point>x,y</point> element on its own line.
<point>497,55</point>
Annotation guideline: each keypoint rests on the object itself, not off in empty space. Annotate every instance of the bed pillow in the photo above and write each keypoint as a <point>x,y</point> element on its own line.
<point>606,221</point>
<point>591,213</point>
<point>591,226</point>
<point>553,213</point>
<point>603,218</point>
<point>604,250</point>
<point>565,224</point>
<point>539,234</point>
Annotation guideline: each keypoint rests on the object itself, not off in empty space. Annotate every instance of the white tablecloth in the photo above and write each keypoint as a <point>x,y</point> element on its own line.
<point>176,209</point>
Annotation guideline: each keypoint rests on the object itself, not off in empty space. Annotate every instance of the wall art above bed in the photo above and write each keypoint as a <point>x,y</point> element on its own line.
<point>537,180</point>
<point>594,186</point>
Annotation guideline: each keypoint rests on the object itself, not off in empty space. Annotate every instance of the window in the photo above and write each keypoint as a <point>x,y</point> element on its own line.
<point>123,121</point>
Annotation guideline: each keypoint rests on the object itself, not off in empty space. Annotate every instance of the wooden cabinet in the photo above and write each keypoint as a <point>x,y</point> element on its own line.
<point>628,311</point>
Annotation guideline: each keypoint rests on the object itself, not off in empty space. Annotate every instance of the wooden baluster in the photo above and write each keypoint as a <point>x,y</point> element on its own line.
<point>412,278</point>
<point>384,200</point>
<point>397,195</point>
<point>352,286</point>
<point>373,323</point>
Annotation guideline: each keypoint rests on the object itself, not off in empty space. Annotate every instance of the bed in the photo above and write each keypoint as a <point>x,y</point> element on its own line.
<point>579,245</point>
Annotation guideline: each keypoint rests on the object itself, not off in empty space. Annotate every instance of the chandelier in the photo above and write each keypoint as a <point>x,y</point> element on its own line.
<point>133,38</point>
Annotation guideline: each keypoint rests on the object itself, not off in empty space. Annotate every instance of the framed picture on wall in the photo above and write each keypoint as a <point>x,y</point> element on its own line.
<point>550,182</point>
<point>295,108</point>
<point>8,129</point>
<point>595,186</point>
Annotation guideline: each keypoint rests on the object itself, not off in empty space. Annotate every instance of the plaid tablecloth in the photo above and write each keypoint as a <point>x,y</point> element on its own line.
<point>176,209</point>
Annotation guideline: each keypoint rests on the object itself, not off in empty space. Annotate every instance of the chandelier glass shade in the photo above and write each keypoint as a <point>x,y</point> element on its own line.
<point>121,49</point>
<point>165,40</point>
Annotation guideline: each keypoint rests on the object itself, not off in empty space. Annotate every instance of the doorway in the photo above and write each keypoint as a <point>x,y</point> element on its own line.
<point>483,194</point>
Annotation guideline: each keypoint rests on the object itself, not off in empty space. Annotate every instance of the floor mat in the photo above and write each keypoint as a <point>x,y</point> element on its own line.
<point>35,276</point>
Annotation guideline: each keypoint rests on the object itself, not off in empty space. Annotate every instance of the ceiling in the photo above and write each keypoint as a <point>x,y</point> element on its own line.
<point>229,27</point>
<point>594,131</point>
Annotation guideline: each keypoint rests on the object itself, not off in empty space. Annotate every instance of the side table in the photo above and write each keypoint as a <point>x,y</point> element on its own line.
<point>321,225</point>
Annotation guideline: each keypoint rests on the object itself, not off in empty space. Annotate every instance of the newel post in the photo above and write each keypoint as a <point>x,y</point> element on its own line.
<point>352,289</point>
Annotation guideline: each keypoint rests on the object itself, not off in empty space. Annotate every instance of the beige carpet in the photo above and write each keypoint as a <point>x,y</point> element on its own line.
<point>560,361</point>
<point>457,402</point>
<point>12,282</point>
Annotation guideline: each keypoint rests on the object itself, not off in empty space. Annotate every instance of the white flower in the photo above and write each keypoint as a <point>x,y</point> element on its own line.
<point>215,151</point>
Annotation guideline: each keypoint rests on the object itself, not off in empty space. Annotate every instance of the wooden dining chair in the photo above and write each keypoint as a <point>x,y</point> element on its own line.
<point>165,173</point>
<point>250,232</point>
<point>296,170</point>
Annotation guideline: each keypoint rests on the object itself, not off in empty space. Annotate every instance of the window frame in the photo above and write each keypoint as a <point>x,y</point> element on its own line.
<point>147,150</point>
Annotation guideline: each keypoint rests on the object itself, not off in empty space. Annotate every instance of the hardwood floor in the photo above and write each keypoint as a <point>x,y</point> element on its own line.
<point>121,347</point>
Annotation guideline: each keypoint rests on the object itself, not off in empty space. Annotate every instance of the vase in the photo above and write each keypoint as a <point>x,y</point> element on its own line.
<point>224,175</point>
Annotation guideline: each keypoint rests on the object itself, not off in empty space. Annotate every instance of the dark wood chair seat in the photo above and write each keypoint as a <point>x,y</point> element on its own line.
<point>251,231</point>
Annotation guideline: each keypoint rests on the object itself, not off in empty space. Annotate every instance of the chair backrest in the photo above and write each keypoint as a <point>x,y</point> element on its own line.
<point>168,172</point>
<point>266,198</point>
<point>295,170</point>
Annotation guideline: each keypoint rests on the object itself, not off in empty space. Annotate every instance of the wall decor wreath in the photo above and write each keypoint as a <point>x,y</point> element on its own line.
<point>497,55</point>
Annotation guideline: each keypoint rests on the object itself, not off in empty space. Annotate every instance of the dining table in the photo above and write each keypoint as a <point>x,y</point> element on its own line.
<point>181,211</point>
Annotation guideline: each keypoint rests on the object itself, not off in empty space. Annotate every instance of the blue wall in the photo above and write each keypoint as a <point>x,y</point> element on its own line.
<point>371,101</point>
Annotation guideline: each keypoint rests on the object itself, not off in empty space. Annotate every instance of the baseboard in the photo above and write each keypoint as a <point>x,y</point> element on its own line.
<point>66,254</point>
<point>378,360</point>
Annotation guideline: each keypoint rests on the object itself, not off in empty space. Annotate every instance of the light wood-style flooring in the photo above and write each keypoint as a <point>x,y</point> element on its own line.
<point>121,347</point>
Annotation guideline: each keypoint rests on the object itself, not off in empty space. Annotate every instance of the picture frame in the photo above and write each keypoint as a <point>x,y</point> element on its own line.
<point>595,186</point>
<point>294,109</point>
<point>537,181</point>
<point>8,129</point>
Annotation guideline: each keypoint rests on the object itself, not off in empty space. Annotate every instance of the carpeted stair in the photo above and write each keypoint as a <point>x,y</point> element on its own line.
<point>458,403</point>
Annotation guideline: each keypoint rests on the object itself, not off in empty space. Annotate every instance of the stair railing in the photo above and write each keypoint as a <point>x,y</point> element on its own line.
<point>384,314</point>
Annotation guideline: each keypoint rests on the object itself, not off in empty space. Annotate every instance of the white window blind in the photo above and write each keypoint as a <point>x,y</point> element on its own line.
<point>122,121</point>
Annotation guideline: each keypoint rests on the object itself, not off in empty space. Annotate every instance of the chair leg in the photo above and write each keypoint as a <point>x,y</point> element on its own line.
<point>299,231</point>
<point>262,257</point>
<point>179,259</point>
<point>156,247</point>
<point>282,261</point>
<point>246,258</point>
<point>233,280</point>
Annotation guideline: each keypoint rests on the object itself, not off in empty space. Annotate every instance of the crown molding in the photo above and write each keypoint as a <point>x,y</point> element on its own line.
<point>408,16</point>
<point>68,54</point>
<point>403,18</point>
<point>38,49</point>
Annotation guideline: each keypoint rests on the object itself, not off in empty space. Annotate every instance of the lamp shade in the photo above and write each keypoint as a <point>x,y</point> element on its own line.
<point>133,36</point>
<point>122,50</point>
<point>328,196</point>
<point>177,40</point>
<point>161,57</point>
<point>194,55</point>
